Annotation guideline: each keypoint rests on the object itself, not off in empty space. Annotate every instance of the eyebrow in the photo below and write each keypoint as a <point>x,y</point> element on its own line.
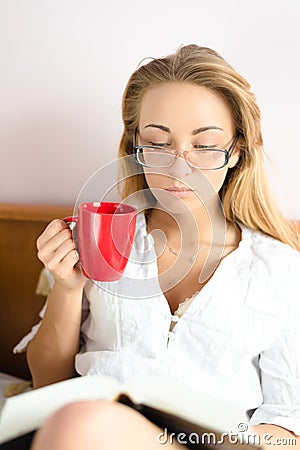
<point>194,132</point>
<point>200,130</point>
<point>161,127</point>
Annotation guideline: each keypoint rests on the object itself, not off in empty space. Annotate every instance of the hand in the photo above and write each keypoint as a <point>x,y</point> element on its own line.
<point>57,252</point>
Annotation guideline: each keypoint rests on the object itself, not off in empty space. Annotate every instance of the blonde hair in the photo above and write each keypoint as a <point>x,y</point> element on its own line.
<point>245,195</point>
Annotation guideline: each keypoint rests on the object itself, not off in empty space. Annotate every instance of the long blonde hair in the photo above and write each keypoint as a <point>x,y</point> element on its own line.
<point>245,195</point>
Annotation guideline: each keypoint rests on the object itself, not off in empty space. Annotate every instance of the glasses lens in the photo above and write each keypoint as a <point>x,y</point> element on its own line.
<point>207,159</point>
<point>152,157</point>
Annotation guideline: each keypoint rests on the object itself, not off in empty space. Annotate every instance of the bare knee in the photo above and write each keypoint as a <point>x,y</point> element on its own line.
<point>97,424</point>
<point>75,425</point>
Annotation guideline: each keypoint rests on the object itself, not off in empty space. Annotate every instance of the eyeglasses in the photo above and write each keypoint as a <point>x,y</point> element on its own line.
<point>204,159</point>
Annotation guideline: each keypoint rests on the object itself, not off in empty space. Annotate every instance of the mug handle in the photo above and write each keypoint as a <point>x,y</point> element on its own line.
<point>70,219</point>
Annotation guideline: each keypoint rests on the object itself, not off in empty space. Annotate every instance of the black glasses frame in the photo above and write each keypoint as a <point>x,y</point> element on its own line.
<point>138,148</point>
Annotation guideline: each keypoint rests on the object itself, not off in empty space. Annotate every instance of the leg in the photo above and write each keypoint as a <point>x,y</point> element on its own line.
<point>101,425</point>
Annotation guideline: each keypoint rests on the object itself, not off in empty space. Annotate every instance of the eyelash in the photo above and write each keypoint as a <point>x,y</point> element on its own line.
<point>162,144</point>
<point>159,144</point>
<point>205,146</point>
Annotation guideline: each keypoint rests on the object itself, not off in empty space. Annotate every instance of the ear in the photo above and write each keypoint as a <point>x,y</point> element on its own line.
<point>234,157</point>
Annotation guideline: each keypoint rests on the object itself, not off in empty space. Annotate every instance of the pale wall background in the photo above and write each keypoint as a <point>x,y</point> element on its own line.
<point>65,63</point>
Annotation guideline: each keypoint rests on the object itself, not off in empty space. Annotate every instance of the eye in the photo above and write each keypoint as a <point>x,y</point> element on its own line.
<point>159,144</point>
<point>201,146</point>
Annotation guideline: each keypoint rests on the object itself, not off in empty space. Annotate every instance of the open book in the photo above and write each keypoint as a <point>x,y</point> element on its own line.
<point>173,407</point>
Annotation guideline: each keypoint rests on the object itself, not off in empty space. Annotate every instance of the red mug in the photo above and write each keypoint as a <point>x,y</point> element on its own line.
<point>105,232</point>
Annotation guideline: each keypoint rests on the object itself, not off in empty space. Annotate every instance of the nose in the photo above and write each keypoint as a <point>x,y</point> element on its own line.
<point>180,168</point>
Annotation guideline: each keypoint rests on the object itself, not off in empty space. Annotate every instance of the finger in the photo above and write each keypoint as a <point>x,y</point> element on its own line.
<point>52,259</point>
<point>56,241</point>
<point>65,268</point>
<point>52,229</point>
<point>46,251</point>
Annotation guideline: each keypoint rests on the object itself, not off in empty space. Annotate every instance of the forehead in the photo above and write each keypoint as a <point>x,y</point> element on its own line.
<point>181,106</point>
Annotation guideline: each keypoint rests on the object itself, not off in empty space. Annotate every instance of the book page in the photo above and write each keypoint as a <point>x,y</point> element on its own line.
<point>207,410</point>
<point>27,412</point>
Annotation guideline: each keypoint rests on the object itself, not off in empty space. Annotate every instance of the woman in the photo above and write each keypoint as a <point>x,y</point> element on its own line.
<point>224,307</point>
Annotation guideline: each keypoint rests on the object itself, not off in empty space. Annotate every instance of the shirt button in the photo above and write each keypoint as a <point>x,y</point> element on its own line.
<point>174,318</point>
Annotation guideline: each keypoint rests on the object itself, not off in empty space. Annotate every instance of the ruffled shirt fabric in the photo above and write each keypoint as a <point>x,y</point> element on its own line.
<point>239,336</point>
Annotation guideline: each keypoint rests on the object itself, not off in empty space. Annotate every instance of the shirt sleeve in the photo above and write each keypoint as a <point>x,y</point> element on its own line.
<point>21,346</point>
<point>44,286</point>
<point>280,364</point>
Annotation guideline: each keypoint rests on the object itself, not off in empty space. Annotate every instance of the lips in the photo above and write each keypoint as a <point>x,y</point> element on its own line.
<point>180,191</point>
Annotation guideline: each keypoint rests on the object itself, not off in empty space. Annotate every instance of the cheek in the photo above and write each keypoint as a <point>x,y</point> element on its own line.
<point>155,180</point>
<point>216,178</point>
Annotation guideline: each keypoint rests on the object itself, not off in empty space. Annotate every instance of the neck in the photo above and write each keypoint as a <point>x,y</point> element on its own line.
<point>205,223</point>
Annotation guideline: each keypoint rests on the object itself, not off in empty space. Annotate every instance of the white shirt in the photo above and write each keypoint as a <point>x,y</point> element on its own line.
<point>240,335</point>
